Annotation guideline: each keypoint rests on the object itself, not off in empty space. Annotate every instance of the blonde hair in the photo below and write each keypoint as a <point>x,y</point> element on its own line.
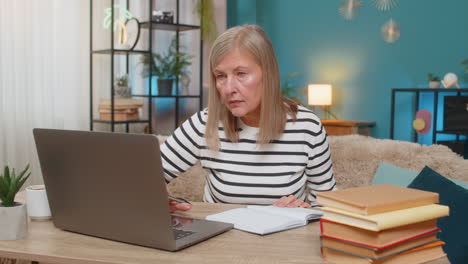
<point>274,106</point>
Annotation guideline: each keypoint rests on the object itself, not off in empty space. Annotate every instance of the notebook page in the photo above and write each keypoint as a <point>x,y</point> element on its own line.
<point>302,214</point>
<point>254,221</point>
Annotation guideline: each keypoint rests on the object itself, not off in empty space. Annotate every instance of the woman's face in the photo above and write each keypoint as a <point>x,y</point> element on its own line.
<point>238,80</point>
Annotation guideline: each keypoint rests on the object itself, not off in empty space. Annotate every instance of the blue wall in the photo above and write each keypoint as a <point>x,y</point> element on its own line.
<point>310,37</point>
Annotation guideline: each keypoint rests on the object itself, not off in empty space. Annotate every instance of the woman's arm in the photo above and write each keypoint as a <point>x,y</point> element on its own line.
<point>319,169</point>
<point>181,150</point>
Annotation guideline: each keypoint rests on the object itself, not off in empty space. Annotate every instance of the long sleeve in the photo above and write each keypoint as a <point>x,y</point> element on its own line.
<point>181,150</point>
<point>319,169</point>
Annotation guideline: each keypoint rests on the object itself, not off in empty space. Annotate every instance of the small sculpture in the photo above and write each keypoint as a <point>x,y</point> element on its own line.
<point>385,5</point>
<point>348,8</point>
<point>450,79</point>
<point>390,31</point>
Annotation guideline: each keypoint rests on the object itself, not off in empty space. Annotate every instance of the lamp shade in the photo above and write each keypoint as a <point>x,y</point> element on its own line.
<point>320,94</point>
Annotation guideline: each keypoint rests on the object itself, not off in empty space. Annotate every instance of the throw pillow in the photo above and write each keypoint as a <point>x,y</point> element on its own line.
<point>453,226</point>
<point>390,174</point>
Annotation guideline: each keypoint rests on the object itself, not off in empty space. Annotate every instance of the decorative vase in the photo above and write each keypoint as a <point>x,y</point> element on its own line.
<point>13,222</point>
<point>434,84</point>
<point>165,86</point>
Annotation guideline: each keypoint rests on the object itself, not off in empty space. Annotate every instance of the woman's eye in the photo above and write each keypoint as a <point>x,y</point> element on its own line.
<point>219,76</point>
<point>241,73</point>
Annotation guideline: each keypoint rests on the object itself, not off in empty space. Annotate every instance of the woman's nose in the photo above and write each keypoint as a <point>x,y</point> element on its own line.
<point>230,86</point>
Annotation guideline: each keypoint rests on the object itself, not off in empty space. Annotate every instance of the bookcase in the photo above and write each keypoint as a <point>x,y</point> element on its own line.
<point>459,143</point>
<point>111,22</point>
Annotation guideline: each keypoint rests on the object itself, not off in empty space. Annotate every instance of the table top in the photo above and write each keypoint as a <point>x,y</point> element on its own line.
<point>45,243</point>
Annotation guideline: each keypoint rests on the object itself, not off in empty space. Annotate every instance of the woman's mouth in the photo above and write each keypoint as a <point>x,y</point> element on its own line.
<point>234,102</point>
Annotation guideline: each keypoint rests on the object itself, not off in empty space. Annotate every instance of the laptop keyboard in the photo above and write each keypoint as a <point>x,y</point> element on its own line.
<point>178,233</point>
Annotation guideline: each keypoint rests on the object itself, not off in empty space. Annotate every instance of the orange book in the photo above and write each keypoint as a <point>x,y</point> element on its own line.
<point>417,255</point>
<point>377,253</point>
<point>381,239</point>
<point>376,199</point>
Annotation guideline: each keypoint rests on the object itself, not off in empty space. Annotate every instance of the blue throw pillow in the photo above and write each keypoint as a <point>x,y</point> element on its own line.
<point>453,227</point>
<point>390,174</point>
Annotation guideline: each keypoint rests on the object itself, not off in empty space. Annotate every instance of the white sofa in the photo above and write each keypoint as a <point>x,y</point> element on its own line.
<point>355,160</point>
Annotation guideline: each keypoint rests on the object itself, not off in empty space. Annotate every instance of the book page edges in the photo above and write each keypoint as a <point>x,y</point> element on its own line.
<point>301,214</point>
<point>387,220</point>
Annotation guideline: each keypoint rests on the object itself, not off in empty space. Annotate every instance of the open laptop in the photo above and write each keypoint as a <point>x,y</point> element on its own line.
<point>111,185</point>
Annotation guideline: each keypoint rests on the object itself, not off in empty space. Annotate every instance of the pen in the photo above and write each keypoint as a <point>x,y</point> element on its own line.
<point>177,199</point>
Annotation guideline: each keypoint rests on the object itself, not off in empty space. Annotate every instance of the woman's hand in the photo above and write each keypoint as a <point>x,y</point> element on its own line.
<point>291,201</point>
<point>177,206</point>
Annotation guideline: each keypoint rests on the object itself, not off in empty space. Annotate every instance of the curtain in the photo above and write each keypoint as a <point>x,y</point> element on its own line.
<point>44,75</point>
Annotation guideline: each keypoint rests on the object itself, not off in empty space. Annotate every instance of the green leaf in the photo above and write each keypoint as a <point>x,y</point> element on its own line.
<point>2,198</point>
<point>7,175</point>
<point>20,183</point>
<point>12,187</point>
<point>23,172</point>
<point>3,186</point>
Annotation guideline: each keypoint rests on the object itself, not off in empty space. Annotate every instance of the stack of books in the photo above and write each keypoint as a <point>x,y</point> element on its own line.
<point>380,224</point>
<point>125,109</point>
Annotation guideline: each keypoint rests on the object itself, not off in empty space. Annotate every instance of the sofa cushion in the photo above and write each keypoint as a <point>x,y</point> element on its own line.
<point>356,158</point>
<point>388,173</point>
<point>453,226</point>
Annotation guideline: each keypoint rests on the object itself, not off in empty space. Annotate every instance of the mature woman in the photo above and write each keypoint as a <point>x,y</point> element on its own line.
<point>258,146</point>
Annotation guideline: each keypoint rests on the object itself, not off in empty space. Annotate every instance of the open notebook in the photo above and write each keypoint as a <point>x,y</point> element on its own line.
<point>266,219</point>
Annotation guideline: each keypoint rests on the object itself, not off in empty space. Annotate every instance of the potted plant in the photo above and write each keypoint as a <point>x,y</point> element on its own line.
<point>290,90</point>
<point>166,66</point>
<point>434,81</point>
<point>206,11</point>
<point>13,215</point>
<point>121,88</point>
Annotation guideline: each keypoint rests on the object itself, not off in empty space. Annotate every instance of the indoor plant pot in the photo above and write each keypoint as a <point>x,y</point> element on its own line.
<point>13,215</point>
<point>166,67</point>
<point>13,222</point>
<point>165,86</point>
<point>434,84</point>
<point>434,81</point>
<point>121,88</point>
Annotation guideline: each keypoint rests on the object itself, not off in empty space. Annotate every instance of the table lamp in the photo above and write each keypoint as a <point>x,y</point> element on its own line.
<point>321,95</point>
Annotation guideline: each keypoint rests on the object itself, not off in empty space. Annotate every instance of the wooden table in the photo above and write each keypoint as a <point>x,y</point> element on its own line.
<point>347,127</point>
<point>47,244</point>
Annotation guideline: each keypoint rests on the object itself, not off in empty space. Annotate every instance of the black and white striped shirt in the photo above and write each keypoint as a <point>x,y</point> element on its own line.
<point>247,173</point>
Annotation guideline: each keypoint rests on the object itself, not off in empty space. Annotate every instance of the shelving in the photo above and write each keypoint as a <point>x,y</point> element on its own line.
<point>166,26</point>
<point>111,58</point>
<point>120,51</point>
<point>435,127</point>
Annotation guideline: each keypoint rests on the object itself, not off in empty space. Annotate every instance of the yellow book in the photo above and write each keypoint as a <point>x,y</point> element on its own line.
<point>378,222</point>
